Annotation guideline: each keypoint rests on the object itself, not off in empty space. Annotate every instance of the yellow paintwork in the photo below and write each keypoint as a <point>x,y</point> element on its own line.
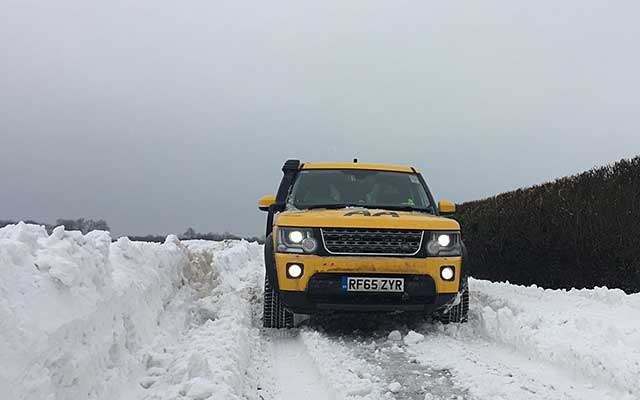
<point>388,265</point>
<point>320,218</point>
<point>346,165</point>
<point>446,207</point>
<point>265,201</point>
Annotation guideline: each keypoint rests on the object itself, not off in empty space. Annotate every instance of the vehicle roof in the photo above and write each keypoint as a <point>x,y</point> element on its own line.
<point>350,165</point>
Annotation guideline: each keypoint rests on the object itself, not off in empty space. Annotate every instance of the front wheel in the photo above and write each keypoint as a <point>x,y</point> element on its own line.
<point>274,315</point>
<point>459,312</point>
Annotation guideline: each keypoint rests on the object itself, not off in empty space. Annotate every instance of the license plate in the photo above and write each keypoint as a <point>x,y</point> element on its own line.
<point>364,284</point>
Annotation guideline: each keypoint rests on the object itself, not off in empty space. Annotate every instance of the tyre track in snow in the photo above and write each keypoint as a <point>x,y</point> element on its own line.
<point>445,362</point>
<point>301,363</point>
<point>291,372</point>
<point>397,373</point>
<point>493,371</point>
<point>324,359</point>
<point>358,360</point>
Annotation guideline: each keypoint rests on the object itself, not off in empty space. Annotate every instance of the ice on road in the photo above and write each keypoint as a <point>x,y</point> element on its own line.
<point>84,318</point>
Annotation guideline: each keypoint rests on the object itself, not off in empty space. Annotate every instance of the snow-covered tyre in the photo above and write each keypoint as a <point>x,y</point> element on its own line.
<point>459,312</point>
<point>274,315</point>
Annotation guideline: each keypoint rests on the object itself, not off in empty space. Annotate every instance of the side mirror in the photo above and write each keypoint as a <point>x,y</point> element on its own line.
<point>445,207</point>
<point>265,202</point>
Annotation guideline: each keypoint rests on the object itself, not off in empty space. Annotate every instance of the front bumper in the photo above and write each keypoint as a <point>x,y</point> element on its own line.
<point>325,294</point>
<point>319,289</point>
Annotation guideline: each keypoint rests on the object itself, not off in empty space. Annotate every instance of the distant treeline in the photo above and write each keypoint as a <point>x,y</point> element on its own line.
<point>191,234</point>
<point>87,225</point>
<point>579,231</point>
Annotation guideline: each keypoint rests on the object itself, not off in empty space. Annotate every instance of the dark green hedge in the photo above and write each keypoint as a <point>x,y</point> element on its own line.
<point>579,231</point>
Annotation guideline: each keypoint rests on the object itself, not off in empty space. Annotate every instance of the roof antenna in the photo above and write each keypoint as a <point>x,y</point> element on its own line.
<point>355,160</point>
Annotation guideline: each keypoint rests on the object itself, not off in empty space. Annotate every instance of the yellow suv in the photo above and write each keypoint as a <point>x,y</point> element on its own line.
<point>360,237</point>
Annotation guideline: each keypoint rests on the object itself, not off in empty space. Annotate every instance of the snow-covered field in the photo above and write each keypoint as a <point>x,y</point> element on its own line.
<point>84,318</point>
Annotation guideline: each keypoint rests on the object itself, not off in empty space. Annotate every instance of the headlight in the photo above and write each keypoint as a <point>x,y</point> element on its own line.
<point>444,244</point>
<point>296,237</point>
<point>296,240</point>
<point>444,240</point>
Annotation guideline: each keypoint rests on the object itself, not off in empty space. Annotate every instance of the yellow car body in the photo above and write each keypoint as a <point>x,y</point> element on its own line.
<point>360,243</point>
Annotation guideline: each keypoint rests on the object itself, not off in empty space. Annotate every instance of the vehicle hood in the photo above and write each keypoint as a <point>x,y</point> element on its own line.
<point>354,217</point>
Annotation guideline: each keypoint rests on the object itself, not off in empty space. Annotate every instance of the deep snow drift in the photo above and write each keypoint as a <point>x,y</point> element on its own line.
<point>532,343</point>
<point>84,318</point>
<point>75,309</point>
<point>595,333</point>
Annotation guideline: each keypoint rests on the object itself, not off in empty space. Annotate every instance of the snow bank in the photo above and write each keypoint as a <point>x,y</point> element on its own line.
<point>213,358</point>
<point>593,332</point>
<point>237,264</point>
<point>84,318</point>
<point>75,309</point>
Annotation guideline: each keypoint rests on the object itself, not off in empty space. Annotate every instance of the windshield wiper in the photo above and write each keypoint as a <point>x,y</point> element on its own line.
<point>403,208</point>
<point>331,206</point>
<point>369,206</point>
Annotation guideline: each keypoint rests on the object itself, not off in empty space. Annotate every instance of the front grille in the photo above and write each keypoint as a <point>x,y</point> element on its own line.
<point>372,241</point>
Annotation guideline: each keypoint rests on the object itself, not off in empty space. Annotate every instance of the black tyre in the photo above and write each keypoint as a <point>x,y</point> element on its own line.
<point>460,312</point>
<point>275,315</point>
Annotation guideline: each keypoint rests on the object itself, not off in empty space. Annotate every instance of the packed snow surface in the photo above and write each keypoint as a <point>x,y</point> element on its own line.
<point>83,317</point>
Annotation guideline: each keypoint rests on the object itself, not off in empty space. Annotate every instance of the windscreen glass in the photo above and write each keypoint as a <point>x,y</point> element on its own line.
<point>354,187</point>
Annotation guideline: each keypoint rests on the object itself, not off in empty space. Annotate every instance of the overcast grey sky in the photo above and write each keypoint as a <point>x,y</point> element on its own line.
<point>160,115</point>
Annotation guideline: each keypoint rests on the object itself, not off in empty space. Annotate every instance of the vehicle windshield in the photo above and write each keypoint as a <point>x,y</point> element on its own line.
<point>337,188</point>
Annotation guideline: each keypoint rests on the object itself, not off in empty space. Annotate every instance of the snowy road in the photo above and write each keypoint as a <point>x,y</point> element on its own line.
<point>175,322</point>
<point>292,373</point>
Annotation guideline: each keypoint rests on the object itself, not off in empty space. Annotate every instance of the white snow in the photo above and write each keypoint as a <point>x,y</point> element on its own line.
<point>522,342</point>
<point>395,336</point>
<point>214,357</point>
<point>413,337</point>
<point>350,376</point>
<point>290,364</point>
<point>75,308</point>
<point>84,318</point>
<point>594,332</point>
<point>395,387</point>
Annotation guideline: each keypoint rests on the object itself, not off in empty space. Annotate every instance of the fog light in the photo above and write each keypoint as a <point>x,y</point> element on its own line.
<point>444,240</point>
<point>294,271</point>
<point>447,273</point>
<point>309,245</point>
